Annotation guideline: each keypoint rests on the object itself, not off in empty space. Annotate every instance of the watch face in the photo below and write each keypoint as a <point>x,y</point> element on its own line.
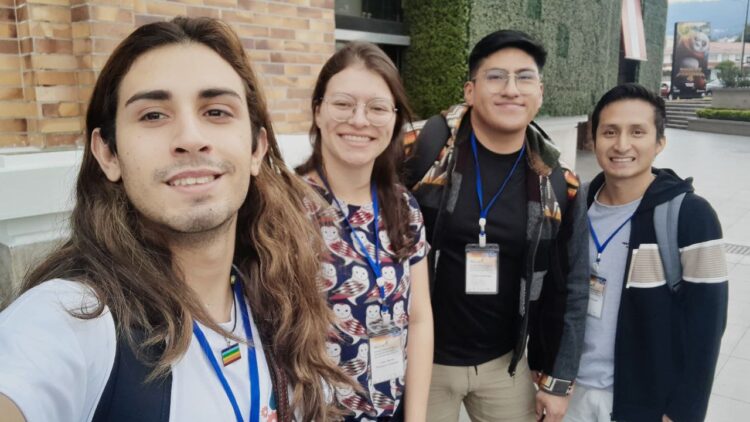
<point>555,386</point>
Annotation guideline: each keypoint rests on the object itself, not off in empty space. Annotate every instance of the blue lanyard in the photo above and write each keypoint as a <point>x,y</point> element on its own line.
<point>252,363</point>
<point>601,246</point>
<point>480,193</point>
<point>374,263</point>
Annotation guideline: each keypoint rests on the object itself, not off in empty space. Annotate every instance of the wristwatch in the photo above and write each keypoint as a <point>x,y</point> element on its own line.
<point>555,386</point>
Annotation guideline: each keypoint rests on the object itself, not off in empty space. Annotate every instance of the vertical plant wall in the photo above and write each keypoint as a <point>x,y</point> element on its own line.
<point>655,25</point>
<point>582,38</point>
<point>435,65</point>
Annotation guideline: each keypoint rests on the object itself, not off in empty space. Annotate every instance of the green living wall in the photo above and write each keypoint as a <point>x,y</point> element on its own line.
<point>436,62</point>
<point>582,38</point>
<point>655,25</point>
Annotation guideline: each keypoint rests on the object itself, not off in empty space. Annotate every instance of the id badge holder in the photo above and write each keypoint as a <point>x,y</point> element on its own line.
<point>597,289</point>
<point>482,269</point>
<point>387,355</point>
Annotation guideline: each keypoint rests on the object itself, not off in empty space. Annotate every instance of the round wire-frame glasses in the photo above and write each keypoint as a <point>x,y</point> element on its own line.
<point>527,81</point>
<point>342,107</point>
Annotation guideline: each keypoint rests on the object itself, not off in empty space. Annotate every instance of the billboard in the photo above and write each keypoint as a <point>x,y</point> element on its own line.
<point>690,59</point>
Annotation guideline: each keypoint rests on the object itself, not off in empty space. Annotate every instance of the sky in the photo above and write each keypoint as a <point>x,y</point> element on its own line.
<point>726,16</point>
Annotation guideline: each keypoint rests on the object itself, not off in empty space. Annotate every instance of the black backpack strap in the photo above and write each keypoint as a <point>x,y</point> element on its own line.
<point>430,141</point>
<point>127,397</point>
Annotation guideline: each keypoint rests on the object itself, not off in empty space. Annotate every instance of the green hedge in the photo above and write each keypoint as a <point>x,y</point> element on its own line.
<point>724,114</point>
<point>581,36</point>
<point>654,25</point>
<point>436,63</point>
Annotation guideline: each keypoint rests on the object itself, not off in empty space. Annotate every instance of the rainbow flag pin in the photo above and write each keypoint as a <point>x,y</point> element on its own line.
<point>231,354</point>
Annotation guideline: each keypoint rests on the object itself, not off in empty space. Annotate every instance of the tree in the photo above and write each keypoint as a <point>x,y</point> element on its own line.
<point>729,73</point>
<point>747,33</point>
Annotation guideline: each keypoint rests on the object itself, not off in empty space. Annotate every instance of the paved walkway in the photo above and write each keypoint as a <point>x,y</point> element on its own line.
<point>719,164</point>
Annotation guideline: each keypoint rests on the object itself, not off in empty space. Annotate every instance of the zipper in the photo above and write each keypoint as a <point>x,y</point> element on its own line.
<point>527,295</point>
<point>615,371</point>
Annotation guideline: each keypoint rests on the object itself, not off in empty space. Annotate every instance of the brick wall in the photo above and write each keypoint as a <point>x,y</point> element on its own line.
<point>51,52</point>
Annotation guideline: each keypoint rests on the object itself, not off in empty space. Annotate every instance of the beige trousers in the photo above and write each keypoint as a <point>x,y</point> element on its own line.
<point>488,392</point>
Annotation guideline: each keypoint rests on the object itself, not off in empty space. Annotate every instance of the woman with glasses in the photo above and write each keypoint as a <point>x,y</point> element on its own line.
<point>374,272</point>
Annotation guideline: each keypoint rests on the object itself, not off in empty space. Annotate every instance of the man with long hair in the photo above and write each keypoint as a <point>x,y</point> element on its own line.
<point>187,288</point>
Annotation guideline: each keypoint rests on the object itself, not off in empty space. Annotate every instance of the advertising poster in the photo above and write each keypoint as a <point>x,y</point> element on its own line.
<point>690,59</point>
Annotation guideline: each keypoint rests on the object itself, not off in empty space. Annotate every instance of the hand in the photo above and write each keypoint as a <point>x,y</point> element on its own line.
<point>550,408</point>
<point>535,376</point>
<point>665,418</point>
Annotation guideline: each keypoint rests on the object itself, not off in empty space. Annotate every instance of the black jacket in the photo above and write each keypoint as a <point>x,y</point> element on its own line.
<point>554,289</point>
<point>667,343</point>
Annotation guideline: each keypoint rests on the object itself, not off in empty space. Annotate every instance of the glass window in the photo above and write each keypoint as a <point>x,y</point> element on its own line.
<point>389,10</point>
<point>395,52</point>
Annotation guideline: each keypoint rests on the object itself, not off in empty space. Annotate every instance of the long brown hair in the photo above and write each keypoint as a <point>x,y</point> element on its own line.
<point>130,268</point>
<point>385,172</point>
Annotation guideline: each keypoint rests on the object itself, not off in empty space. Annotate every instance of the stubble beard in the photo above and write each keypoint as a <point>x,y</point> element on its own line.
<point>200,229</point>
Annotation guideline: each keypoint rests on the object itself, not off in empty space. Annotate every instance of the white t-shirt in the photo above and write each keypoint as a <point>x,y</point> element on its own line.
<point>597,369</point>
<point>55,366</point>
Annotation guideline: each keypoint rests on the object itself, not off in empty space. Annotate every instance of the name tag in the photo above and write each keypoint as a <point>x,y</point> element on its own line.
<point>482,269</point>
<point>597,288</point>
<point>386,358</point>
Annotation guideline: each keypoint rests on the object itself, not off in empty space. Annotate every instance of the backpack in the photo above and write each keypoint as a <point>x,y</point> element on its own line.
<point>666,219</point>
<point>426,140</point>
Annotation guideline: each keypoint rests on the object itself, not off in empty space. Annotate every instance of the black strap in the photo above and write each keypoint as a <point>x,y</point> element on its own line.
<point>127,397</point>
<point>431,139</point>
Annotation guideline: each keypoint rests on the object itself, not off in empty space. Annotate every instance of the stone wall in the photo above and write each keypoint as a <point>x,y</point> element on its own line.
<point>735,98</point>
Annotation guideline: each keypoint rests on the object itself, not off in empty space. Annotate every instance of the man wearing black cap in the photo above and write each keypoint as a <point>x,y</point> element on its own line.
<point>509,239</point>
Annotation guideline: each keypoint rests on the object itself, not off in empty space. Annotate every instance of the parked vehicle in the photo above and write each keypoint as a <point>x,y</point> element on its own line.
<point>664,89</point>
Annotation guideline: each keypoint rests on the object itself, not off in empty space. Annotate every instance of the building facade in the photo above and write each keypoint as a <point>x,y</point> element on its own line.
<point>52,50</point>
<point>50,54</point>
<point>718,51</point>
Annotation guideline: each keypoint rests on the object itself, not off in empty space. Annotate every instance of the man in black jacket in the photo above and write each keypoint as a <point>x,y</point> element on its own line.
<point>652,335</point>
<point>508,233</point>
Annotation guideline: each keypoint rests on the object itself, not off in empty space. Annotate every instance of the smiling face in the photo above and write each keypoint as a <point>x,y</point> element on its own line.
<point>184,139</point>
<point>354,143</point>
<point>505,111</point>
<point>626,140</point>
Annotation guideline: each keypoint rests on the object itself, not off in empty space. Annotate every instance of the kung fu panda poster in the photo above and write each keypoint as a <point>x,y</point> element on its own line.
<point>690,59</point>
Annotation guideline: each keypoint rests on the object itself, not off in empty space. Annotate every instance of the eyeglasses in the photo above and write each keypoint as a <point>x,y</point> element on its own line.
<point>342,107</point>
<point>527,81</point>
